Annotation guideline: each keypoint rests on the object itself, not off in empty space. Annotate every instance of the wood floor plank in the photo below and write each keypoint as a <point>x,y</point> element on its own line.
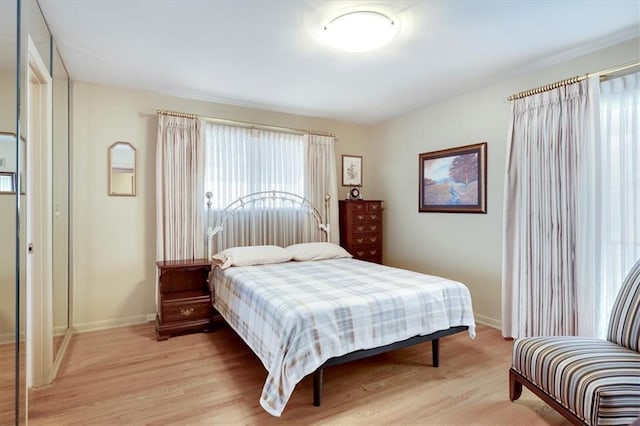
<point>124,376</point>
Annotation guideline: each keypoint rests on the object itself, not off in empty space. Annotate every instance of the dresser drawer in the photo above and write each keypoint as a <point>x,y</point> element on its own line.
<point>374,206</point>
<point>185,310</point>
<point>367,252</point>
<point>366,217</point>
<point>366,239</point>
<point>359,228</point>
<point>365,206</point>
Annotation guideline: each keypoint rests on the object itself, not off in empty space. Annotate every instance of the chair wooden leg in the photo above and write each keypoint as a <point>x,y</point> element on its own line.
<point>515,387</point>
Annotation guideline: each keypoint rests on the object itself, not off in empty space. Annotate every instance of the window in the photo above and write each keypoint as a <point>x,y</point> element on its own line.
<point>618,188</point>
<point>240,161</point>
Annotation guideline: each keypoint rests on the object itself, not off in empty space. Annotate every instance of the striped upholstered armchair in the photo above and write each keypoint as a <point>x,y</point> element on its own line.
<point>589,381</point>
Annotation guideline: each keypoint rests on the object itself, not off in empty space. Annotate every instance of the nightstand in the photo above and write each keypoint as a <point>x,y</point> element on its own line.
<point>184,299</point>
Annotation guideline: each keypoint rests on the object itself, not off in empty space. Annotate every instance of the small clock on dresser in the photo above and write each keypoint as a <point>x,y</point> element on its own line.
<point>354,194</point>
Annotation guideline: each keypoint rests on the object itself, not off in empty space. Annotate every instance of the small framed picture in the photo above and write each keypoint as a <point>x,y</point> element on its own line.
<point>351,170</point>
<point>453,180</point>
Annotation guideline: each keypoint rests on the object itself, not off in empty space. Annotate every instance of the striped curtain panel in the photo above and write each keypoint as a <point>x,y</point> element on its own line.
<point>321,180</point>
<point>179,189</point>
<point>541,187</point>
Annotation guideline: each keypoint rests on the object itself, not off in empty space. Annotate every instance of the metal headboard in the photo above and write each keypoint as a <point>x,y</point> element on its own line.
<point>255,198</point>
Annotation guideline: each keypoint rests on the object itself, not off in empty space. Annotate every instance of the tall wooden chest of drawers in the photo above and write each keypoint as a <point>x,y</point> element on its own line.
<point>361,229</point>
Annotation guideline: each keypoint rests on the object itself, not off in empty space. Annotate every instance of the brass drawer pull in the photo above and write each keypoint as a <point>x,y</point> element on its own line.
<point>186,312</point>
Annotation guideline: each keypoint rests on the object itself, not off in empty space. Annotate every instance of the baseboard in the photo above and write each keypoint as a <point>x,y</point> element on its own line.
<point>7,338</point>
<point>60,330</point>
<point>113,323</point>
<point>491,322</point>
<point>61,352</point>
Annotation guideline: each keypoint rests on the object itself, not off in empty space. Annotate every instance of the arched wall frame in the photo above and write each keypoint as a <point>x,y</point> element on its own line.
<point>121,171</point>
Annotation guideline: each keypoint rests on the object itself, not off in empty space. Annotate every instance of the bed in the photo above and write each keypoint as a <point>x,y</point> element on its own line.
<point>300,316</point>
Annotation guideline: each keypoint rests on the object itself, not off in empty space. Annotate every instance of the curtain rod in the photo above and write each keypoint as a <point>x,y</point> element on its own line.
<point>244,124</point>
<point>602,74</point>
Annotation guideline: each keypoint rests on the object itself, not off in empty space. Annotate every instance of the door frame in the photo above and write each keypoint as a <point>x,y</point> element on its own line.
<point>39,266</point>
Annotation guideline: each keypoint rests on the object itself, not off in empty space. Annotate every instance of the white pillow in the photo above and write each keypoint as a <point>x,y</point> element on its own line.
<point>252,255</point>
<point>317,251</point>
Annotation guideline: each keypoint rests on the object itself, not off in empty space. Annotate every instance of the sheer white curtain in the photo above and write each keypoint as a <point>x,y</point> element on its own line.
<point>321,179</point>
<point>240,161</point>
<point>610,227</point>
<point>541,187</point>
<point>179,189</point>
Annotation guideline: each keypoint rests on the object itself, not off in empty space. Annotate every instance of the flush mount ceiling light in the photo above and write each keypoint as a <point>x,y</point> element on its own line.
<point>360,31</point>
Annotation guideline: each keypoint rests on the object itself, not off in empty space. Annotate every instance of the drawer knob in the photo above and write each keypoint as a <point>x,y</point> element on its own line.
<point>360,228</point>
<point>186,312</point>
<point>360,253</point>
<point>373,252</point>
<point>360,240</point>
<point>360,216</point>
<point>374,227</point>
<point>374,217</point>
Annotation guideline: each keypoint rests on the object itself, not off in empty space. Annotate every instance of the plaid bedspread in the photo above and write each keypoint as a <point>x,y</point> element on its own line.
<point>297,315</point>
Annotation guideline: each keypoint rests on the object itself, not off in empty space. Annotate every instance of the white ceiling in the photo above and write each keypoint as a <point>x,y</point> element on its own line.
<point>265,54</point>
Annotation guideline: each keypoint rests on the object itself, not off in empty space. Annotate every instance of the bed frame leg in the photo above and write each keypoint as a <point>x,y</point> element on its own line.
<point>317,387</point>
<point>435,351</point>
<point>515,387</point>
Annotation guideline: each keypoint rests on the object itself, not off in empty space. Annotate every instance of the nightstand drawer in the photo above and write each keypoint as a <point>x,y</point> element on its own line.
<point>186,311</point>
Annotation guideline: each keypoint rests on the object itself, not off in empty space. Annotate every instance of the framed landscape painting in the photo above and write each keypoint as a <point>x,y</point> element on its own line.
<point>453,180</point>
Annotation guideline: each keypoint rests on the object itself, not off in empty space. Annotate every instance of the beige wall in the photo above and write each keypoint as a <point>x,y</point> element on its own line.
<point>464,247</point>
<point>113,267</point>
<point>7,215</point>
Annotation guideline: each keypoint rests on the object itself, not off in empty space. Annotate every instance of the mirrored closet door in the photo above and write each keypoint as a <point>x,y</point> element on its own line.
<point>11,361</point>
<point>24,35</point>
<point>61,205</point>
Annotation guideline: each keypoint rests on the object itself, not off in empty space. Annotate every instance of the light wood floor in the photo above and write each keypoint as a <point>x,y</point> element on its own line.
<point>124,376</point>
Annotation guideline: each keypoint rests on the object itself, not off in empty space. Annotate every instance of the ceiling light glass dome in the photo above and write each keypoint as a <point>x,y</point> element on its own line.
<point>360,31</point>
